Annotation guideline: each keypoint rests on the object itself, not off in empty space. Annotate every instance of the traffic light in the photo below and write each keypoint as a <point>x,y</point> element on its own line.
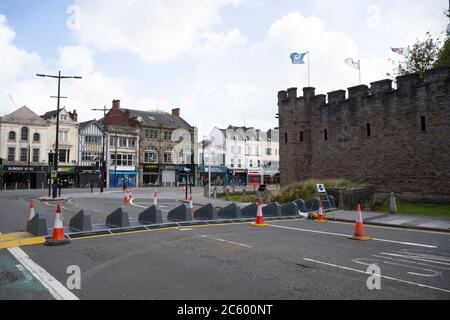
<point>51,158</point>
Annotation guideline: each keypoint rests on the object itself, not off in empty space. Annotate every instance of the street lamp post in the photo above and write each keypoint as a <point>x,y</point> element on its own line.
<point>29,153</point>
<point>59,77</point>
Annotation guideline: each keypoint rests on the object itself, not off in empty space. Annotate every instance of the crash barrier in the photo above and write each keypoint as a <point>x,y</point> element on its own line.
<point>289,209</point>
<point>207,212</point>
<point>272,210</point>
<point>250,211</point>
<point>180,213</point>
<point>231,211</point>
<point>37,225</point>
<point>118,218</point>
<point>151,218</point>
<point>81,221</point>
<point>151,215</point>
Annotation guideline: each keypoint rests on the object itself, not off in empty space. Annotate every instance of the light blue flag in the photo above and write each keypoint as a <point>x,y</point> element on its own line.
<point>297,58</point>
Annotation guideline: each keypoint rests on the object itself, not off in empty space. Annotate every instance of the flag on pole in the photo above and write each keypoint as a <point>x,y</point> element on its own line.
<point>297,58</point>
<point>352,63</point>
<point>400,51</point>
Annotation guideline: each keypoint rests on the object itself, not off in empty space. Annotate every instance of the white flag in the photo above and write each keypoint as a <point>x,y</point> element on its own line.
<point>352,63</point>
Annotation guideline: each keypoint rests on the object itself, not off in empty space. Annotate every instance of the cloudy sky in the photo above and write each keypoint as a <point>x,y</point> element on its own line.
<point>221,61</point>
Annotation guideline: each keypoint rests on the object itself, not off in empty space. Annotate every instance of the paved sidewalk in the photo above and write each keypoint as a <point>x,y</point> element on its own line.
<point>370,218</point>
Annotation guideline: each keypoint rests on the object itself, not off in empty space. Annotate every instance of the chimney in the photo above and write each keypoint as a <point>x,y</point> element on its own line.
<point>176,112</point>
<point>75,115</point>
<point>116,104</point>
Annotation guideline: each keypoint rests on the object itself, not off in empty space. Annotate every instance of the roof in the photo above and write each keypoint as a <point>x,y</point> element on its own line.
<point>49,115</point>
<point>86,124</point>
<point>158,119</point>
<point>23,115</point>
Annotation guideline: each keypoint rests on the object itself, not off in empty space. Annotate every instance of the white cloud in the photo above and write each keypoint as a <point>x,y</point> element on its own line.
<point>156,31</point>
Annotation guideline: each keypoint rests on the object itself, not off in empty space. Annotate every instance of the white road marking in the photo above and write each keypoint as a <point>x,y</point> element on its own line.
<point>414,258</point>
<point>347,235</point>
<point>433,272</point>
<point>407,261</point>
<point>56,289</point>
<point>385,277</point>
<point>230,242</point>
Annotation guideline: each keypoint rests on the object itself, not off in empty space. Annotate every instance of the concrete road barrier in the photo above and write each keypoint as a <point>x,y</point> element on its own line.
<point>250,211</point>
<point>301,204</point>
<point>38,225</point>
<point>81,221</point>
<point>118,218</point>
<point>180,213</point>
<point>272,210</point>
<point>207,212</point>
<point>232,211</point>
<point>312,205</point>
<point>151,215</point>
<point>289,209</point>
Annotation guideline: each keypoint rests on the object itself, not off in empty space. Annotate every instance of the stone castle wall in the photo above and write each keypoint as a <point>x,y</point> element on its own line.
<point>397,140</point>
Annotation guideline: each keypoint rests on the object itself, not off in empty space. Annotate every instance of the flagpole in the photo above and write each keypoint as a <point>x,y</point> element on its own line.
<point>309,85</point>
<point>359,70</point>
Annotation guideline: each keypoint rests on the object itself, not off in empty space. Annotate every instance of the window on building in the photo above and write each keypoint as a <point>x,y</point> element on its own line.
<point>423,123</point>
<point>64,137</point>
<point>64,155</point>
<point>232,149</point>
<point>24,134</point>
<point>113,159</point>
<point>285,137</point>
<point>251,163</point>
<point>232,163</point>
<point>239,163</point>
<point>154,134</point>
<point>167,135</point>
<point>325,134</point>
<point>168,156</point>
<point>151,155</point>
<point>12,136</point>
<point>36,137</point>
<point>239,150</point>
<point>93,139</point>
<point>268,151</point>
<point>147,134</point>
<point>368,131</point>
<point>302,136</point>
<point>35,155</point>
<point>11,154</point>
<point>23,154</point>
<point>276,152</point>
<point>122,142</point>
<point>131,143</point>
<point>259,163</point>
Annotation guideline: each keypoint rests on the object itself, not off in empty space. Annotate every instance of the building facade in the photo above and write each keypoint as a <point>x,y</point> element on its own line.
<point>23,148</point>
<point>68,145</point>
<point>396,139</point>
<point>90,149</point>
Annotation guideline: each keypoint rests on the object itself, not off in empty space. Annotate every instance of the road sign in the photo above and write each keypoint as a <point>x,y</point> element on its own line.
<point>53,174</point>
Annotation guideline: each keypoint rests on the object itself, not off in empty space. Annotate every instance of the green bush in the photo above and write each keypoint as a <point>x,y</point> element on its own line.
<point>306,189</point>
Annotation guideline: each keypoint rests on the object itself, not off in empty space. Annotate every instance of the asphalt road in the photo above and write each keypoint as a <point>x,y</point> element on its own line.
<point>291,259</point>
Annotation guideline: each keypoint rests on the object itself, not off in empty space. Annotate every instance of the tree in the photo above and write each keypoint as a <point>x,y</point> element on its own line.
<point>419,58</point>
<point>443,59</point>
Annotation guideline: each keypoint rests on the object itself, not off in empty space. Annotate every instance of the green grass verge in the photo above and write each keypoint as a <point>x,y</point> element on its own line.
<point>419,209</point>
<point>240,198</point>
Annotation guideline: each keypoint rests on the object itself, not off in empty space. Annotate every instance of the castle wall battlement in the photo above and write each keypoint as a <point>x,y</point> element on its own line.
<point>397,139</point>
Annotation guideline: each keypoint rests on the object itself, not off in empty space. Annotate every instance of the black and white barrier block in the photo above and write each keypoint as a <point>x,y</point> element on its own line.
<point>231,211</point>
<point>272,210</point>
<point>118,218</point>
<point>301,204</point>
<point>151,215</point>
<point>37,225</point>
<point>289,209</point>
<point>207,212</point>
<point>180,213</point>
<point>249,211</point>
<point>81,221</point>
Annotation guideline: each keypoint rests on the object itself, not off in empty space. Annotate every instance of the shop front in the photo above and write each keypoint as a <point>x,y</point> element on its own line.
<point>68,176</point>
<point>16,177</point>
<point>120,179</point>
<point>254,178</point>
<point>271,176</point>
<point>219,175</point>
<point>150,174</point>
<point>89,176</point>
<point>186,173</point>
<point>237,177</point>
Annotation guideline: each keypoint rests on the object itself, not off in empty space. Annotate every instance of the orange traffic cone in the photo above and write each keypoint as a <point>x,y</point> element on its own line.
<point>359,227</point>
<point>259,216</point>
<point>58,230</point>
<point>126,199</point>
<point>155,198</point>
<point>31,212</point>
<point>321,216</point>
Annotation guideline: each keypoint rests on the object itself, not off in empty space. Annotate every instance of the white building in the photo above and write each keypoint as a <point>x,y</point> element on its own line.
<point>68,144</point>
<point>23,148</point>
